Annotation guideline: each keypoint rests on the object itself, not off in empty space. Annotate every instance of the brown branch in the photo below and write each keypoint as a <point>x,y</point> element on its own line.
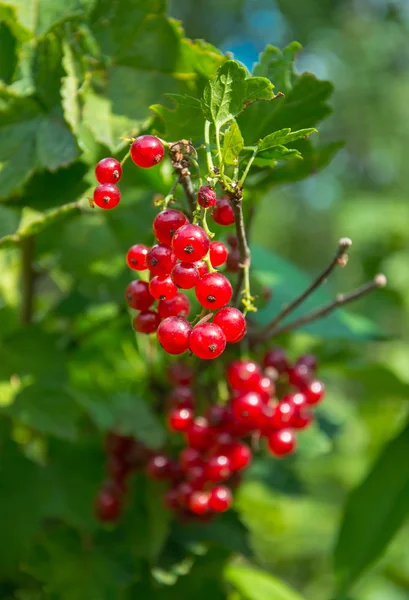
<point>187,185</point>
<point>181,153</point>
<point>341,300</point>
<point>245,255</point>
<point>28,278</point>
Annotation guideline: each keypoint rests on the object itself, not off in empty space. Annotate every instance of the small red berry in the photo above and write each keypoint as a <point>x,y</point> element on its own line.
<point>182,396</point>
<point>282,415</point>
<point>108,504</point>
<point>107,196</point>
<point>302,419</point>
<point>299,375</point>
<point>218,253</point>
<point>276,359</point>
<point>298,400</point>
<point>233,261</point>
<point>206,196</point>
<point>185,275</point>
<point>189,458</point>
<point>243,375</point>
<point>265,387</point>
<point>199,502</point>
<point>232,241</point>
<point>108,170</point>
<point>178,306</point>
<point>240,456</point>
<point>214,291</point>
<point>223,213</point>
<point>160,260</point>
<point>159,467</point>
<point>162,288</point>
<point>200,436</point>
<point>196,476</point>
<point>136,257</point>
<point>281,442</point>
<point>174,334</point>
<point>147,321</point>
<point>147,151</point>
<point>118,468</point>
<point>202,267</point>
<point>185,490</point>
<point>207,341</point>
<point>248,409</point>
<point>314,391</point>
<point>180,419</point>
<point>232,322</point>
<point>220,499</point>
<point>309,360</point>
<point>138,296</point>
<point>190,243</point>
<point>218,416</point>
<point>180,373</point>
<point>218,468</point>
<point>166,223</point>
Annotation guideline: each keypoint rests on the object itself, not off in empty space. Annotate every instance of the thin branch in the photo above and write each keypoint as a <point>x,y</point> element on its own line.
<point>245,256</point>
<point>341,300</point>
<point>28,278</point>
<point>188,188</point>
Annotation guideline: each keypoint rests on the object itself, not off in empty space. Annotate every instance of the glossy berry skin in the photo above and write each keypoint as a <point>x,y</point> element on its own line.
<point>180,373</point>
<point>232,323</point>
<point>266,388</point>
<point>107,196</point>
<point>206,196</point>
<point>243,375</point>
<point>182,397</point>
<point>138,296</point>
<point>159,467</point>
<point>232,241</point>
<point>233,261</point>
<point>223,213</point>
<point>180,419</point>
<point>107,505</point>
<point>108,170</point>
<point>147,151</point>
<point>298,400</point>
<point>185,275</point>
<point>199,502</point>
<point>136,257</point>
<point>218,468</point>
<point>214,291</point>
<point>190,243</point>
<point>240,456</point>
<point>314,391</point>
<point>302,419</point>
<point>207,341</point>
<point>174,334</point>
<point>178,306</point>
<point>162,288</point>
<point>202,267</point>
<point>200,436</point>
<point>281,442</point>
<point>220,499</point>
<point>299,375</point>
<point>309,360</point>
<point>276,359</point>
<point>160,260</point>
<point>282,415</point>
<point>248,409</point>
<point>218,253</point>
<point>147,321</point>
<point>166,223</point>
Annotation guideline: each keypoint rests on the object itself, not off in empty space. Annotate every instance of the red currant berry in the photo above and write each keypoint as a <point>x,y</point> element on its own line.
<point>160,260</point>
<point>218,416</point>
<point>265,387</point>
<point>107,196</point>
<point>159,467</point>
<point>302,419</point>
<point>180,419</point>
<point>147,321</point>
<point>233,261</point>
<point>171,499</point>
<point>232,241</point>
<point>108,504</point>
<point>220,499</point>
<point>136,257</point>
<point>248,409</point>
<point>147,151</point>
<point>214,291</point>
<point>218,253</point>
<point>190,243</point>
<point>299,375</point>
<point>240,456</point>
<point>218,468</point>
<point>207,341</point>
<point>166,223</point>
<point>174,334</point>
<point>180,373</point>
<point>185,275</point>
<point>232,323</point>
<point>206,196</point>
<point>314,391</point>
<point>281,442</point>
<point>108,170</point>
<point>179,306</point>
<point>202,267</point>
<point>182,396</point>
<point>200,436</point>
<point>276,359</point>
<point>185,490</point>
<point>138,296</point>
<point>223,213</point>
<point>298,400</point>
<point>199,502</point>
<point>162,288</point>
<point>243,375</point>
<point>282,415</point>
<point>189,458</point>
<point>118,468</point>
<point>196,476</point>
<point>309,360</point>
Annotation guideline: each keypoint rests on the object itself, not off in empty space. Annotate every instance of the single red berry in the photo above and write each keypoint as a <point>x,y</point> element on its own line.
<point>182,396</point>
<point>232,241</point>
<point>166,223</point>
<point>220,499</point>
<point>136,257</point>
<point>206,196</point>
<point>265,387</point>
<point>147,151</point>
<point>171,499</point>
<point>233,261</point>
<point>189,458</point>
<point>218,468</point>
<point>180,373</point>
<point>159,466</point>
<point>302,419</point>
<point>190,243</point>
<point>199,502</point>
<point>107,196</point>
<point>232,323</point>
<point>138,296</point>
<point>160,260</point>
<point>196,476</point>
<point>282,415</point>
<point>309,360</point>
<point>200,436</point>
<point>240,456</point>
<point>276,358</point>
<point>185,275</point>
<point>207,341</point>
<point>180,419</point>
<point>174,334</point>
<point>218,253</point>
<point>108,170</point>
<point>214,291</point>
<point>281,442</point>
<point>147,321</point>
<point>223,213</point>
<point>162,288</point>
<point>243,375</point>
<point>178,306</point>
<point>108,504</point>
<point>299,375</point>
<point>314,391</point>
<point>202,267</point>
<point>298,400</point>
<point>218,416</point>
<point>248,408</point>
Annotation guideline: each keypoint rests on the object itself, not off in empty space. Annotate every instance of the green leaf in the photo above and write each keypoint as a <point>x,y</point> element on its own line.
<point>255,584</point>
<point>283,137</point>
<point>374,512</point>
<point>70,86</point>
<point>269,158</point>
<point>184,120</point>
<point>278,66</point>
<point>286,282</point>
<point>232,144</point>
<point>8,53</point>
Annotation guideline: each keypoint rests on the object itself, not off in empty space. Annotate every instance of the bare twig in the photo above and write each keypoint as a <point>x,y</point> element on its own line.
<point>180,153</point>
<point>245,255</point>
<point>28,277</point>
<point>187,185</point>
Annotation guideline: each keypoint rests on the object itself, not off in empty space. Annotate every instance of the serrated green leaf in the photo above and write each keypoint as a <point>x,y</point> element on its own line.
<point>373,512</point>
<point>232,144</point>
<point>256,584</point>
<point>183,121</point>
<point>70,86</point>
<point>274,154</point>
<point>277,65</point>
<point>283,137</point>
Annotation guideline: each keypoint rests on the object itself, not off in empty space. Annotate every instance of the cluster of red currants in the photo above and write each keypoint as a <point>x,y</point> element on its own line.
<point>216,452</point>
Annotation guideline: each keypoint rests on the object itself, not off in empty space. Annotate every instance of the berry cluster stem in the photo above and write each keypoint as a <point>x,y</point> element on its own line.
<point>209,159</point>
<point>243,278</point>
